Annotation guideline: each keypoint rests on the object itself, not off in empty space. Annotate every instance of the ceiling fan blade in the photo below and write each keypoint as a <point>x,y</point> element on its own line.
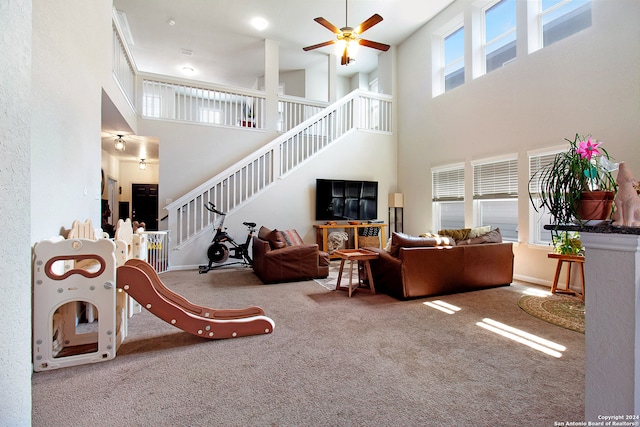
<point>316,46</point>
<point>375,45</point>
<point>328,25</point>
<point>368,23</point>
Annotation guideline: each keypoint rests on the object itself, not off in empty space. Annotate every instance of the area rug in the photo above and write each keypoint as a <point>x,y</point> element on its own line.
<point>560,310</point>
<point>331,280</point>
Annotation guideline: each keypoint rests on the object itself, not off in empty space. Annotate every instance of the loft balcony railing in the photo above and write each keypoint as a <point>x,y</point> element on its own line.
<point>242,181</point>
<point>193,103</point>
<point>122,67</point>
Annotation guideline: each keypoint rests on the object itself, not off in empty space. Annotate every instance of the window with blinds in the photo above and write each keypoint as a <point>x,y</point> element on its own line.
<point>495,193</point>
<point>448,196</point>
<point>448,183</point>
<point>496,179</point>
<point>537,162</point>
<point>539,217</point>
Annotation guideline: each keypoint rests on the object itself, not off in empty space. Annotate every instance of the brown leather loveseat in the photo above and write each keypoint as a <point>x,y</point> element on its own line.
<point>282,256</point>
<point>421,267</point>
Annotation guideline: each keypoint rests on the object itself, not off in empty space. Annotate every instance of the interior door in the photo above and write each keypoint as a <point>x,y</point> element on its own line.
<point>144,205</point>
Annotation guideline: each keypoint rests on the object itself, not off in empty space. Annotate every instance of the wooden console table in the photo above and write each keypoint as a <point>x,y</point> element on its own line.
<point>322,233</point>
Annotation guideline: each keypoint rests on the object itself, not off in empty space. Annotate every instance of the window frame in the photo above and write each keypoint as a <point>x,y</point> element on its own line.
<point>485,43</point>
<point>539,218</point>
<point>440,195</point>
<point>493,191</point>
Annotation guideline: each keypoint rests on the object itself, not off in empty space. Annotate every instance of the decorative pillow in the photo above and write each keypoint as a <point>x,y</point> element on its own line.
<point>479,231</point>
<point>401,240</point>
<point>274,237</point>
<point>494,236</point>
<point>292,238</point>
<point>459,234</point>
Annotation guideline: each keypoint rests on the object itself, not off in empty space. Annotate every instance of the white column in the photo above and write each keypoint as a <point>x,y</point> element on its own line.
<point>612,272</point>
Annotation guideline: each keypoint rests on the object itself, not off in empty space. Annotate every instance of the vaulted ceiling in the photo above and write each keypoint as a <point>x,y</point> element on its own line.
<point>216,39</point>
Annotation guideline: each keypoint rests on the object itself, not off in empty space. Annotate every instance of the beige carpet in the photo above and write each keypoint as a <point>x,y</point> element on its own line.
<point>369,360</point>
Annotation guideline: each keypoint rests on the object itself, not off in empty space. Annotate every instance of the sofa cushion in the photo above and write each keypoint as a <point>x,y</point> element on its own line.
<point>458,234</point>
<point>292,238</point>
<point>401,240</point>
<point>493,236</point>
<point>479,231</point>
<point>274,237</point>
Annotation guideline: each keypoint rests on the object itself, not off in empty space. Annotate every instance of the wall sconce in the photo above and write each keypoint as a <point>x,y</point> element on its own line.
<point>142,165</point>
<point>119,144</point>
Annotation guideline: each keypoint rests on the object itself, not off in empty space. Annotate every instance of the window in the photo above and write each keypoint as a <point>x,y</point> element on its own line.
<point>499,34</point>
<point>538,218</point>
<point>209,115</point>
<point>495,194</point>
<point>453,65</point>
<point>562,18</point>
<point>151,105</point>
<point>448,197</point>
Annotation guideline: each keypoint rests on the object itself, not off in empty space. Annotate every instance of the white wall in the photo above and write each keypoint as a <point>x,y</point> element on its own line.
<point>290,203</point>
<point>15,254</point>
<point>71,55</point>
<point>190,154</point>
<point>587,83</point>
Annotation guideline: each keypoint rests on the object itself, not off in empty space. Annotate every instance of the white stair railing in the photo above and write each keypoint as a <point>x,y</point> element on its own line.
<point>243,180</point>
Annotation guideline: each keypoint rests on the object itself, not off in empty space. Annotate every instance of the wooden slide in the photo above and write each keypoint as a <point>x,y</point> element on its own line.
<point>142,283</point>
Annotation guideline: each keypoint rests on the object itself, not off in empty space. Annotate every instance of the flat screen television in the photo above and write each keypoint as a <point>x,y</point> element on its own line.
<point>339,199</point>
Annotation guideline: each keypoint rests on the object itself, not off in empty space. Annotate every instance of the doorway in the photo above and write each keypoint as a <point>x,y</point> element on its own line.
<point>144,205</point>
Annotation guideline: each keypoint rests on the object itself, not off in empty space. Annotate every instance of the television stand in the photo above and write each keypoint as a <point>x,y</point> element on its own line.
<point>322,233</point>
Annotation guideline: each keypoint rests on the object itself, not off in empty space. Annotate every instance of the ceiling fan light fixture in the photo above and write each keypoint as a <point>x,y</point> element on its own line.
<point>142,165</point>
<point>119,144</point>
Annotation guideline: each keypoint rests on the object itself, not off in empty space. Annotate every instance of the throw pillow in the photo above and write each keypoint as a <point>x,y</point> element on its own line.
<point>459,234</point>
<point>292,238</point>
<point>274,237</point>
<point>401,240</point>
<point>479,231</point>
<point>494,236</point>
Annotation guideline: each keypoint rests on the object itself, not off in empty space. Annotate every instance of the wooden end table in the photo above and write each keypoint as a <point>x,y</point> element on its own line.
<point>358,256</point>
<point>569,259</point>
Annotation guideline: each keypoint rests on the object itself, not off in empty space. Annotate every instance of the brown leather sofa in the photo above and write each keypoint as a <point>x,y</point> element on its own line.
<point>279,259</point>
<point>415,269</point>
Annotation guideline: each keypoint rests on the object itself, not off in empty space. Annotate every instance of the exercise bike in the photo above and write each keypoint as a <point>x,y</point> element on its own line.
<point>219,252</point>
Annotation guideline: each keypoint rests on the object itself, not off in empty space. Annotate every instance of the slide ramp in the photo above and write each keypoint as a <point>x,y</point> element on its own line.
<point>142,283</point>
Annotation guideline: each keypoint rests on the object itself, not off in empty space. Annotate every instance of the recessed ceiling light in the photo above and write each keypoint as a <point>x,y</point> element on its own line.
<point>188,71</point>
<point>171,22</point>
<point>259,23</point>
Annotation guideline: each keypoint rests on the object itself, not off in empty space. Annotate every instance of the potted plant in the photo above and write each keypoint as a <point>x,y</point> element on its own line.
<point>583,172</point>
<point>568,243</point>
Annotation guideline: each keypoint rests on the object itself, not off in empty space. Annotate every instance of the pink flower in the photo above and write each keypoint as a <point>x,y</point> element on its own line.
<point>588,149</point>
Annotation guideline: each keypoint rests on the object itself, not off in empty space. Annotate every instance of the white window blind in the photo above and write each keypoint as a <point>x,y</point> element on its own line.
<point>496,179</point>
<point>448,184</point>
<point>537,162</point>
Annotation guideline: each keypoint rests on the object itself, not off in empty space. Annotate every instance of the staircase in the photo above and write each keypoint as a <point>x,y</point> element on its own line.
<point>242,181</point>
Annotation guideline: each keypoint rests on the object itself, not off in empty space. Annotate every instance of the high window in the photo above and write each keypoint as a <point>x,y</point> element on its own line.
<point>448,197</point>
<point>210,115</point>
<point>495,194</point>
<point>151,105</point>
<point>453,65</point>
<point>499,34</point>
<point>561,18</point>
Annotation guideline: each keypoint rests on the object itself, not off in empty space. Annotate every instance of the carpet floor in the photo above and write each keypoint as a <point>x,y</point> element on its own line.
<point>369,360</point>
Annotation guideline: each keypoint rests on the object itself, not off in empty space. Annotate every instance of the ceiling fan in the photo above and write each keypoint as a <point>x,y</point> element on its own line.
<point>348,35</point>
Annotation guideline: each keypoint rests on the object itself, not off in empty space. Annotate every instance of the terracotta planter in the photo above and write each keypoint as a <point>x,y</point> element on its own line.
<point>595,205</point>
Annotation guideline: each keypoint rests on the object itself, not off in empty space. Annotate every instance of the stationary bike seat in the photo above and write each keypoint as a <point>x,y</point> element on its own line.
<point>249,224</point>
